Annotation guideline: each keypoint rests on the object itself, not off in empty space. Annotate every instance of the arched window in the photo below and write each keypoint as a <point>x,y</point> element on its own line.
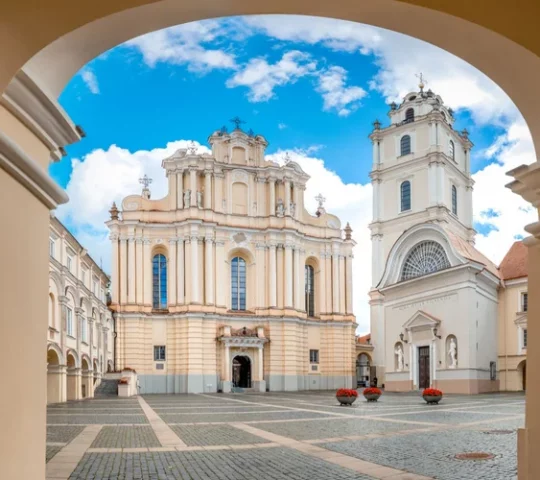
<point>405,196</point>
<point>69,321</point>
<point>238,284</point>
<point>425,258</point>
<point>405,145</point>
<point>409,115</point>
<point>159,282</point>
<point>454,200</point>
<point>310,290</point>
<point>452,150</point>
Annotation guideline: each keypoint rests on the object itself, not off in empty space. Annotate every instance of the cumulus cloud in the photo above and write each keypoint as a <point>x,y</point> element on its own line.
<point>186,45</point>
<point>336,95</point>
<point>90,79</point>
<point>261,77</point>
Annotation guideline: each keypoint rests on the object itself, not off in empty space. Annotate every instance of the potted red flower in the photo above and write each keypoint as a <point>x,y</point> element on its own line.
<point>346,396</point>
<point>432,396</point>
<point>372,394</point>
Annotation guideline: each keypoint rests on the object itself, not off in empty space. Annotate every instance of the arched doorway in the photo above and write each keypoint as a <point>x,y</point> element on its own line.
<point>87,390</point>
<point>241,372</point>
<point>522,370</point>
<point>55,377</point>
<point>363,363</point>
<point>73,378</point>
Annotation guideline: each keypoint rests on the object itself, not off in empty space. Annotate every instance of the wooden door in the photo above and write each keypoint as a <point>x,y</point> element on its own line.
<point>423,367</point>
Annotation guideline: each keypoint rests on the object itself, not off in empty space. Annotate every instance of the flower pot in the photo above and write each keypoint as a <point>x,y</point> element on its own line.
<point>372,397</point>
<point>346,400</point>
<point>432,399</point>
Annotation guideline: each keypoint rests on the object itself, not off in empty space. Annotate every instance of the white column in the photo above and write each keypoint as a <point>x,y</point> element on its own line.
<point>227,364</point>
<point>171,274</point>
<point>272,187</point>
<point>432,183</point>
<point>342,299</point>
<point>180,189</point>
<point>288,276</point>
<point>123,271</point>
<point>209,270</point>
<point>298,278</point>
<point>440,186</point>
<point>272,285</point>
<point>320,298</point>
<point>287,184</point>
<point>180,298</point>
<point>139,297</point>
<point>376,195</point>
<point>261,371</point>
<point>208,189</point>
<point>193,186</point>
<point>348,283</point>
<point>221,291</point>
<point>131,270</point>
<point>335,282</point>
<point>260,275</point>
<point>114,268</point>
<point>195,291</point>
<point>172,190</point>
<point>147,272</point>
<point>328,272</point>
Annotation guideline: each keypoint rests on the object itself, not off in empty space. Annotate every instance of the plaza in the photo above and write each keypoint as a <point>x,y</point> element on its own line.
<point>283,435</point>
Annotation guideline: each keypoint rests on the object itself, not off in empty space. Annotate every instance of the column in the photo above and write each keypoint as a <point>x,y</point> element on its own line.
<point>335,282</point>
<point>147,272</point>
<point>123,271</point>
<point>218,192</point>
<point>348,283</point>
<point>440,184</point>
<point>208,189</point>
<point>260,361</point>
<point>321,282</point>
<point>114,268</point>
<point>342,284</point>
<point>193,186</point>
<point>172,190</point>
<point>171,274</point>
<point>376,194</point>
<point>209,270</point>
<point>131,270</point>
<point>296,278</point>
<point>179,189</point>
<point>328,273</point>
<point>195,293</point>
<point>221,299</point>
<point>227,370</point>
<point>272,187</point>
<point>288,276</point>
<point>139,296</point>
<point>180,298</point>
<point>287,184</point>
<point>260,275</point>
<point>432,183</point>
<point>272,286</point>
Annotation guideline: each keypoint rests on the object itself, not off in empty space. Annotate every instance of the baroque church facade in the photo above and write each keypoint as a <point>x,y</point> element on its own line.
<point>228,283</point>
<point>434,296</point>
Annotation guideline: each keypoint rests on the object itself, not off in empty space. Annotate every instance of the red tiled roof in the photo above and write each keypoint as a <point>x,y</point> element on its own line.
<point>365,339</point>
<point>514,263</point>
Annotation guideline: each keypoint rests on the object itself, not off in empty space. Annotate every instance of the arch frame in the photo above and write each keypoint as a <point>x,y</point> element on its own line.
<point>53,346</point>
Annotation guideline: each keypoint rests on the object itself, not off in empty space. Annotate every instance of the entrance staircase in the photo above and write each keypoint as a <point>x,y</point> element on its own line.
<point>108,386</point>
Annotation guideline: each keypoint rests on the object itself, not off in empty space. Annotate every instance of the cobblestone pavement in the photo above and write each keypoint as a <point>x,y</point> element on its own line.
<point>294,436</point>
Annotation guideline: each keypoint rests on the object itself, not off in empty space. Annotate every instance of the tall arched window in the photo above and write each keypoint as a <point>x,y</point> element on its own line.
<point>405,145</point>
<point>452,150</point>
<point>454,200</point>
<point>405,196</point>
<point>159,281</point>
<point>425,258</point>
<point>310,290</point>
<point>409,115</point>
<point>238,284</point>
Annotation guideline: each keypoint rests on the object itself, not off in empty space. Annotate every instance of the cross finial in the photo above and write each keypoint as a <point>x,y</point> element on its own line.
<point>192,148</point>
<point>145,181</point>
<point>320,199</point>
<point>422,81</point>
<point>237,122</point>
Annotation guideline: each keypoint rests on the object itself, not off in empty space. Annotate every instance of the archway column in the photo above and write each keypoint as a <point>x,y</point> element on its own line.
<point>74,384</point>
<point>56,384</point>
<point>87,380</point>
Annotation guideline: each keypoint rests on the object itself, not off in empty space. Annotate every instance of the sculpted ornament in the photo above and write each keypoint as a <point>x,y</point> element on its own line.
<point>199,200</point>
<point>400,358</point>
<point>187,199</point>
<point>293,209</point>
<point>280,209</point>
<point>452,353</point>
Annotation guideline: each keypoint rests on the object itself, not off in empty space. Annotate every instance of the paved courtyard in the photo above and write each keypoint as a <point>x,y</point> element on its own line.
<point>278,436</point>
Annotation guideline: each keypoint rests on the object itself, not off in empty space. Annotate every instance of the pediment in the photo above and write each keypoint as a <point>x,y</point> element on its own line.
<point>421,320</point>
<point>521,319</point>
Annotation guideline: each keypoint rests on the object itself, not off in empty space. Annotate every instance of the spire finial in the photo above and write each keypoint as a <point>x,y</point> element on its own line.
<point>145,181</point>
<point>348,232</point>
<point>320,209</point>
<point>114,212</point>
<point>237,122</point>
<point>422,81</point>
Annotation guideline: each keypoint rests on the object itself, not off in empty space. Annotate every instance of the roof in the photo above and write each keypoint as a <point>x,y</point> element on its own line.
<point>364,340</point>
<point>465,249</point>
<point>514,263</point>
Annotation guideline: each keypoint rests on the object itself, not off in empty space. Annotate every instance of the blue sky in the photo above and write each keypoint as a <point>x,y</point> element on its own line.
<point>311,86</point>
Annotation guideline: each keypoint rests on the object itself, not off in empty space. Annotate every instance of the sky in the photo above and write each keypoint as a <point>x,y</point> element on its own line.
<point>312,87</point>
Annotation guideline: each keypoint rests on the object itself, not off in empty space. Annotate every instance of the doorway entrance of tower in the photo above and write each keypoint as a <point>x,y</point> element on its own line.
<point>423,367</point>
<point>241,372</point>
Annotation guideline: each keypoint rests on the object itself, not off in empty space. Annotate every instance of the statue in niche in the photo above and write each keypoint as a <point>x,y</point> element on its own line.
<point>400,358</point>
<point>292,207</point>
<point>452,353</point>
<point>187,199</point>
<point>280,208</point>
<point>199,199</point>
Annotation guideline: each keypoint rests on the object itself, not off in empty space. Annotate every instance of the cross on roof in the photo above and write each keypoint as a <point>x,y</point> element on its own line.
<point>192,148</point>
<point>145,181</point>
<point>422,79</point>
<point>286,158</point>
<point>320,199</point>
<point>237,122</point>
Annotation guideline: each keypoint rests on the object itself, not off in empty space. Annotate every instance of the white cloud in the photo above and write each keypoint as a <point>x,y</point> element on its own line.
<point>262,77</point>
<point>336,95</point>
<point>282,126</point>
<point>90,79</point>
<point>185,44</point>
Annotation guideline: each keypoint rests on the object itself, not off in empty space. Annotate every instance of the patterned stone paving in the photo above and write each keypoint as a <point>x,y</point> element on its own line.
<point>277,436</point>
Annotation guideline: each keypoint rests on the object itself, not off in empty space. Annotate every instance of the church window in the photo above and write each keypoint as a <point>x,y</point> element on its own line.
<point>159,353</point>
<point>524,338</point>
<point>405,196</point>
<point>238,284</point>
<point>159,282</point>
<point>310,290</point>
<point>314,356</point>
<point>69,321</point>
<point>425,258</point>
<point>405,145</point>
<point>451,150</point>
<point>524,301</point>
<point>409,115</point>
<point>454,200</point>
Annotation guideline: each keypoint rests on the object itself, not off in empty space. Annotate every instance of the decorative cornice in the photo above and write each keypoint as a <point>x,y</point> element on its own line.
<point>243,341</point>
<point>113,237</point>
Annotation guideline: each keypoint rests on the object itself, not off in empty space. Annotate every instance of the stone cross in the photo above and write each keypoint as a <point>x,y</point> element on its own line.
<point>237,122</point>
<point>145,181</point>
<point>320,199</point>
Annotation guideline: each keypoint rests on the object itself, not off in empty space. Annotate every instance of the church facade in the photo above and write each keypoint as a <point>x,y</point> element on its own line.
<point>228,283</point>
<point>434,295</point>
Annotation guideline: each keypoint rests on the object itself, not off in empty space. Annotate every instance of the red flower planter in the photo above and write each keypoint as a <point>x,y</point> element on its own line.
<point>346,396</point>
<point>372,394</point>
<point>432,396</point>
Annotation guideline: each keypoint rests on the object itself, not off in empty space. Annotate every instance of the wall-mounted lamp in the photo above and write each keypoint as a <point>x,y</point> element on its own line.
<point>435,333</point>
<point>402,338</point>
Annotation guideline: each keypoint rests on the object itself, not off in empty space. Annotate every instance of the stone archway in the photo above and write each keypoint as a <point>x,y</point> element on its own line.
<point>87,384</point>
<point>241,371</point>
<point>363,363</point>
<point>56,376</point>
<point>73,383</point>
<point>522,370</point>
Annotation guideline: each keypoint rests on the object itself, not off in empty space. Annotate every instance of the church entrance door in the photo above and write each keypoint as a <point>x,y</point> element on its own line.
<point>423,367</point>
<point>241,374</point>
